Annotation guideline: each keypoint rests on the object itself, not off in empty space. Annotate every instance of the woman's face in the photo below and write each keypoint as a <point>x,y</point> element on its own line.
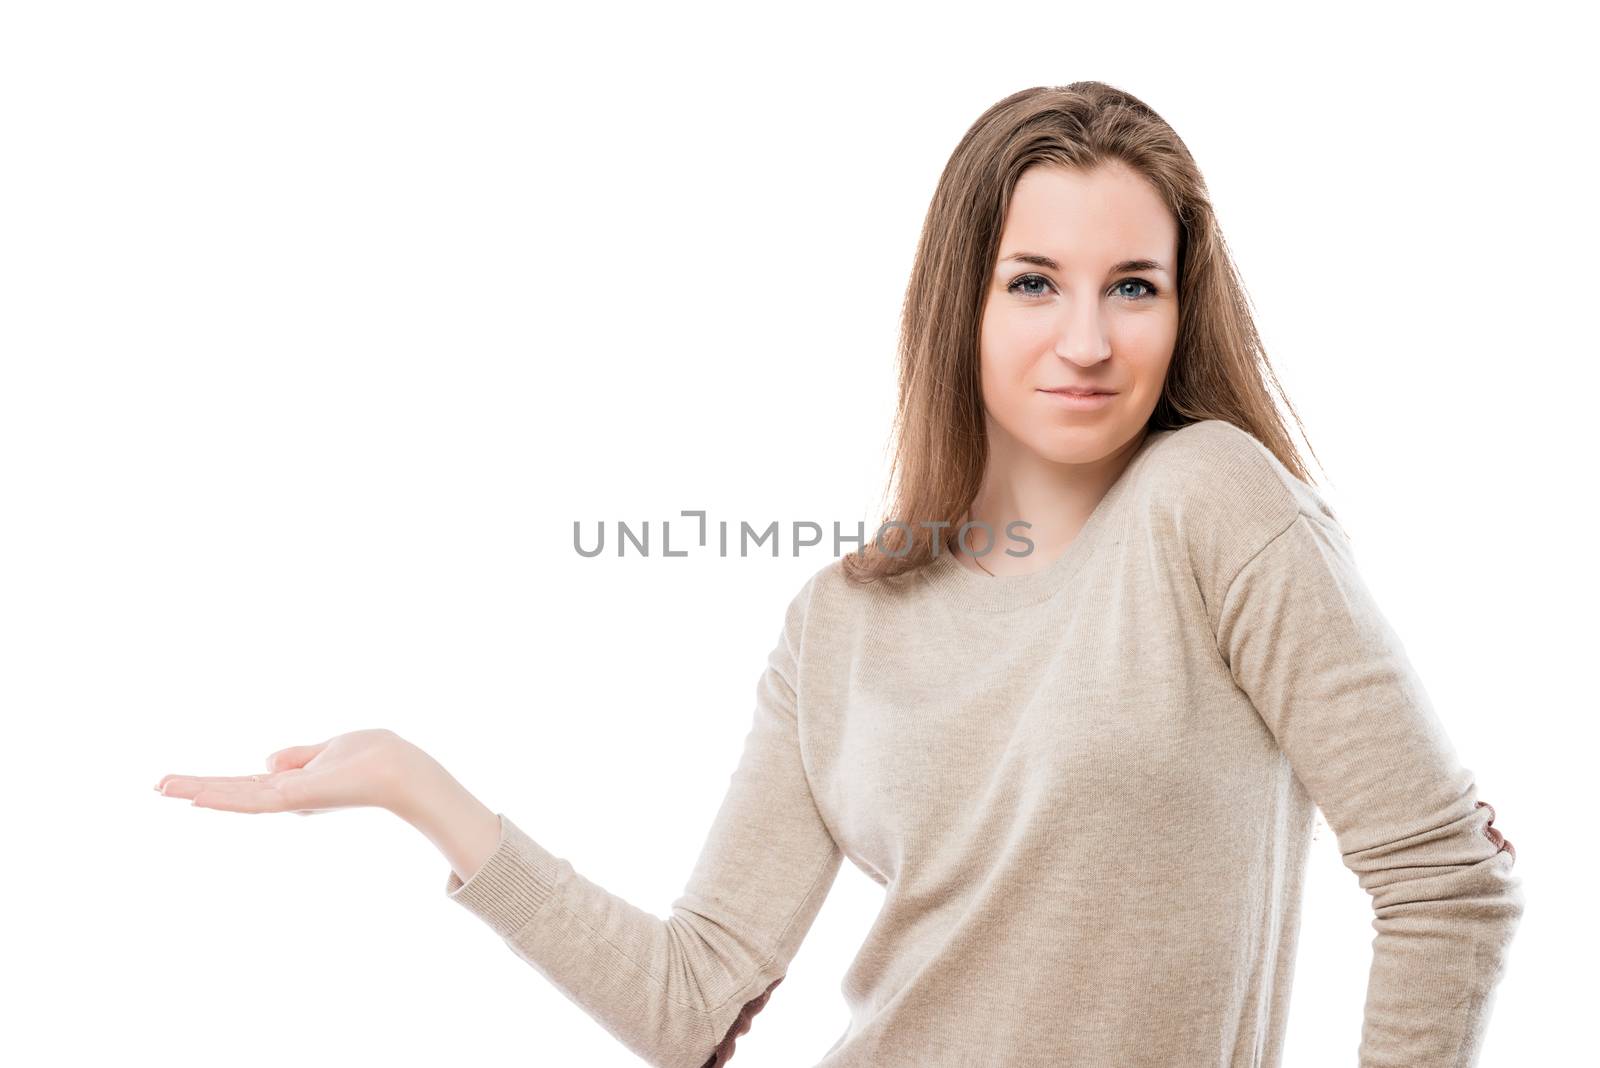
<point>1075,313</point>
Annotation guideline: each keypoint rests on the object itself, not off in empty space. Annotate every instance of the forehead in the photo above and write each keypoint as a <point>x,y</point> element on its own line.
<point>1107,213</point>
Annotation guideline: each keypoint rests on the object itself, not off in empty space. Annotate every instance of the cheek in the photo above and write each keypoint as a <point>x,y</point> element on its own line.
<point>1153,330</point>
<point>1147,349</point>
<point>1008,346</point>
<point>1150,333</point>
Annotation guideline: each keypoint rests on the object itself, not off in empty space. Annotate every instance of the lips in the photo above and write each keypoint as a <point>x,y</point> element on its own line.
<point>1075,392</point>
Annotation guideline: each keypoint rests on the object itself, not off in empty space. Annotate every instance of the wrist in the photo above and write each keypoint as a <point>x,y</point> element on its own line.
<point>423,791</point>
<point>460,826</point>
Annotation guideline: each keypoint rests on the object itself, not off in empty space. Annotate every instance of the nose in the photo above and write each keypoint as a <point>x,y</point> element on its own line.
<point>1081,337</point>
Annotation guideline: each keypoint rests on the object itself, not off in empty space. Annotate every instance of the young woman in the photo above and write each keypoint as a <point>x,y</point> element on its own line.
<point>1074,708</point>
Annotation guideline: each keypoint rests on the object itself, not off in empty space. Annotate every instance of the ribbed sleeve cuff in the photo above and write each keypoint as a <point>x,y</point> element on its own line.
<point>512,885</point>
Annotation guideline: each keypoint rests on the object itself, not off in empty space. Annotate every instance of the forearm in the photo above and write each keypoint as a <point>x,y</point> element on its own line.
<point>462,828</point>
<point>1445,924</point>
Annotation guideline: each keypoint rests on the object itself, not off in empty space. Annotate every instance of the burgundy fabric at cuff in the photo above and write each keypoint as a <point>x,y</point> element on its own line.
<point>724,1051</point>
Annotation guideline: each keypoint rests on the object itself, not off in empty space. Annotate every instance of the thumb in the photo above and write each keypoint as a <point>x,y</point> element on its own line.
<point>293,757</point>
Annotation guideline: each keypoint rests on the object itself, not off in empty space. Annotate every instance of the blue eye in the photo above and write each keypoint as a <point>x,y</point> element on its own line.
<point>1012,288</point>
<point>1020,286</point>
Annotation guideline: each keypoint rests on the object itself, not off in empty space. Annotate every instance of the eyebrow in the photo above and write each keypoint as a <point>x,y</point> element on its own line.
<point>1051,265</point>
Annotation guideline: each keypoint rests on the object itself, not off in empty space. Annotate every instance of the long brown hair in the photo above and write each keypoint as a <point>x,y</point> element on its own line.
<point>1219,369</point>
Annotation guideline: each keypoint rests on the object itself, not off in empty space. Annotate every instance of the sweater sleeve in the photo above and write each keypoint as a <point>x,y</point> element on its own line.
<point>1305,641</point>
<point>678,991</point>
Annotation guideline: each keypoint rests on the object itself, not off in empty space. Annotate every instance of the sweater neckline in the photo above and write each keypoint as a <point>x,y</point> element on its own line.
<point>1000,592</point>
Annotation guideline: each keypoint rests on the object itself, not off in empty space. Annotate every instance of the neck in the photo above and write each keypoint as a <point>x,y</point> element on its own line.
<point>1054,498</point>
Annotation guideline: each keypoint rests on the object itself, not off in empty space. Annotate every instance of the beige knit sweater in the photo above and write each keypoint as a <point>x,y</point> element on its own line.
<point>1088,792</point>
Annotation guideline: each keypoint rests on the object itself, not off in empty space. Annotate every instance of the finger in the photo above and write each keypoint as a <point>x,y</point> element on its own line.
<point>295,756</point>
<point>171,785</point>
<point>240,797</point>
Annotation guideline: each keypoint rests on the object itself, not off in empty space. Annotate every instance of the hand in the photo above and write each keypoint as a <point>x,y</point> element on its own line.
<point>375,768</point>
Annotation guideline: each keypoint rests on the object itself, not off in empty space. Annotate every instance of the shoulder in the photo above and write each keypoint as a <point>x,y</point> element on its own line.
<point>1223,495</point>
<point>824,595</point>
<point>1214,468</point>
<point>829,602</point>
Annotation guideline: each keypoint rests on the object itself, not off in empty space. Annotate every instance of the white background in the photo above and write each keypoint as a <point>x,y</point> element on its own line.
<point>323,322</point>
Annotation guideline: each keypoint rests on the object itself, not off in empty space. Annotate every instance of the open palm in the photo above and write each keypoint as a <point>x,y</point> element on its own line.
<point>362,768</point>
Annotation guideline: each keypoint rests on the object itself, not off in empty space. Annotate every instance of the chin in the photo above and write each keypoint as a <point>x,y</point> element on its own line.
<point>1084,446</point>
<point>1079,438</point>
